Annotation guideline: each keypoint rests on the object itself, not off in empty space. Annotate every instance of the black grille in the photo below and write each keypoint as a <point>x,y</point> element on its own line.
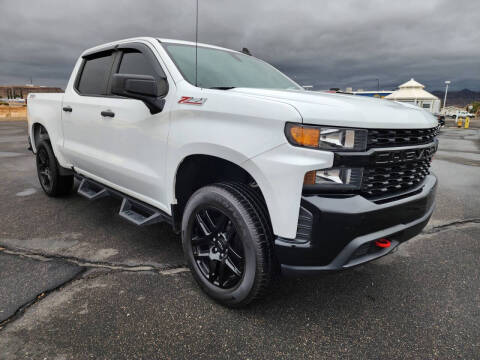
<point>395,178</point>
<point>378,138</point>
<point>392,172</point>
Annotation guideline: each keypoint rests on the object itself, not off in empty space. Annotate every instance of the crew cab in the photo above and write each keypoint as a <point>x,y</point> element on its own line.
<point>258,175</point>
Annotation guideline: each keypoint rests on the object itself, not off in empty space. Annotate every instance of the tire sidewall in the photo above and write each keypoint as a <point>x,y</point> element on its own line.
<point>220,199</point>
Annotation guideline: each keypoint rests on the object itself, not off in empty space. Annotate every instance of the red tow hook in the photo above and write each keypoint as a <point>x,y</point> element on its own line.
<point>383,243</point>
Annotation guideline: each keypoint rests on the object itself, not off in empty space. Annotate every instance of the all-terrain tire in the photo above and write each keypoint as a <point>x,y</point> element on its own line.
<point>247,212</point>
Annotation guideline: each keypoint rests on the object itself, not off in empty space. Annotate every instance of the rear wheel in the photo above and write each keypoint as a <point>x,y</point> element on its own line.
<point>48,171</point>
<point>227,243</point>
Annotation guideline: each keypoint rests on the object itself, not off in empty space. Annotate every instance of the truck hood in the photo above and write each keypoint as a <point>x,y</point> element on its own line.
<point>348,110</point>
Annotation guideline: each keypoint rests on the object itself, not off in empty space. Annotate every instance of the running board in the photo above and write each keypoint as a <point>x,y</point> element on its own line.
<point>140,214</point>
<point>132,210</point>
<point>91,190</point>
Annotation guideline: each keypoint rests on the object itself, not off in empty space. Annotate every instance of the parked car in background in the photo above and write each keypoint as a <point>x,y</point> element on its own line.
<point>465,114</point>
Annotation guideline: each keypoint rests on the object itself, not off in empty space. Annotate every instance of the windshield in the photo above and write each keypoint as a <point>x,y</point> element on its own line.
<point>226,69</point>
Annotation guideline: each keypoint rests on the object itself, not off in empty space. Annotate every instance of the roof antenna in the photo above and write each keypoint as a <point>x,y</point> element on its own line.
<point>196,46</point>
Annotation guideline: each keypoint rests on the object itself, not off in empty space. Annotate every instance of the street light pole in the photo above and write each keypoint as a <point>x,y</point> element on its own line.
<point>445,98</point>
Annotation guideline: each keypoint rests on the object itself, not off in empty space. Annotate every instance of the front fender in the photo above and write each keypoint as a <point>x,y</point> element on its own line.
<point>279,174</point>
<point>231,126</point>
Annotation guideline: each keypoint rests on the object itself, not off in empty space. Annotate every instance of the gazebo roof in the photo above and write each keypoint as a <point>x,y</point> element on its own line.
<point>412,83</point>
<point>411,90</point>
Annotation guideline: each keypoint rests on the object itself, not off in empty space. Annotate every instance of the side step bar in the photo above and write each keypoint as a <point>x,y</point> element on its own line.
<point>91,190</point>
<point>139,214</point>
<point>132,210</point>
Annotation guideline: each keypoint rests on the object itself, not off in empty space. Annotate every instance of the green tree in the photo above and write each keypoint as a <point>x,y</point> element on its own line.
<point>476,106</point>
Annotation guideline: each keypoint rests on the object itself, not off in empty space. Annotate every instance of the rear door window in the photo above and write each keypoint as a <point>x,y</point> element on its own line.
<point>95,73</point>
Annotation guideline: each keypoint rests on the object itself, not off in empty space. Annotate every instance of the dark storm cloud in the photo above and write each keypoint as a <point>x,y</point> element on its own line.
<point>325,43</point>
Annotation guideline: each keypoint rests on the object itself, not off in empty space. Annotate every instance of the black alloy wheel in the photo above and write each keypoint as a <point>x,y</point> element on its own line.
<point>217,251</point>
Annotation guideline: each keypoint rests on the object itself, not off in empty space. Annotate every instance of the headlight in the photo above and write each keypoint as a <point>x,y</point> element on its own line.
<point>326,138</point>
<point>340,178</point>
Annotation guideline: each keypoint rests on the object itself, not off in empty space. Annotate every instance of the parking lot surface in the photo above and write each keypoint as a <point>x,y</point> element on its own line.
<point>79,282</point>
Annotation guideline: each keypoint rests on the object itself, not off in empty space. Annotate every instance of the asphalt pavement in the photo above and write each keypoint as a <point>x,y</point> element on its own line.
<point>79,282</point>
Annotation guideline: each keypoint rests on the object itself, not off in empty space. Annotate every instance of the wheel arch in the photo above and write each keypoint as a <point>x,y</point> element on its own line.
<point>198,170</point>
<point>39,133</point>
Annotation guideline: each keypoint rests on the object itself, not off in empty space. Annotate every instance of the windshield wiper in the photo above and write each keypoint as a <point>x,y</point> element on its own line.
<point>223,87</point>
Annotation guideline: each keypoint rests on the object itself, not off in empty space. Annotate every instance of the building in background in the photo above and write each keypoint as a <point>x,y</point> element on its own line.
<point>20,92</point>
<point>414,93</point>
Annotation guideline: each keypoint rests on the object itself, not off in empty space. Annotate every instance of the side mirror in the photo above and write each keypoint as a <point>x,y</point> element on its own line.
<point>141,87</point>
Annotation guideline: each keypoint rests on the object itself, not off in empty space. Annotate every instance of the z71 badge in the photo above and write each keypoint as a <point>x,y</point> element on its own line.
<point>191,100</point>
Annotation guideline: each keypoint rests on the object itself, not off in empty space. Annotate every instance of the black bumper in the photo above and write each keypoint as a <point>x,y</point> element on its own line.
<point>342,231</point>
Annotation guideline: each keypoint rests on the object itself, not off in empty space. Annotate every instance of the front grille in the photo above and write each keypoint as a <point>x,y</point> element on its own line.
<point>395,178</point>
<point>392,172</point>
<point>379,138</point>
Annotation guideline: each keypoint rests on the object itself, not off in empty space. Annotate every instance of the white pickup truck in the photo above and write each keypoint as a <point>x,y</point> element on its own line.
<point>257,174</point>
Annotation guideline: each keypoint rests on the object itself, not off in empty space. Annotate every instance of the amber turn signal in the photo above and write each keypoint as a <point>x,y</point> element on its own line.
<point>309,178</point>
<point>305,136</point>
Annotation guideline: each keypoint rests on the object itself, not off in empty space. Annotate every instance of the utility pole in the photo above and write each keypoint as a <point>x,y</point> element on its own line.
<point>378,84</point>
<point>446,91</point>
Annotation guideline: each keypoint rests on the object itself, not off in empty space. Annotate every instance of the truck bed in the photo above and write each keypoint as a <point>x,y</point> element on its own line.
<point>45,109</point>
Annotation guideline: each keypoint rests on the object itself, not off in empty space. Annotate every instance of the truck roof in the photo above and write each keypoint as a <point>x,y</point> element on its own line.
<point>193,43</point>
<point>151,39</point>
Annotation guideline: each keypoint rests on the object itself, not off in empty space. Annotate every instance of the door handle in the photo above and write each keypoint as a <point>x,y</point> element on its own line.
<point>67,109</point>
<point>108,113</point>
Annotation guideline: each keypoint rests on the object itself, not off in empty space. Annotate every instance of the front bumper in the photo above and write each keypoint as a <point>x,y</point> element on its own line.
<point>341,232</point>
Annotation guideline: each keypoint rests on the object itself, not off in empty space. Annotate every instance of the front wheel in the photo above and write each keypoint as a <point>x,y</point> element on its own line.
<point>227,241</point>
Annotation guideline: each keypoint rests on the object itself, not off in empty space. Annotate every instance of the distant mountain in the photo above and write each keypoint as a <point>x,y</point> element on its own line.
<point>459,98</point>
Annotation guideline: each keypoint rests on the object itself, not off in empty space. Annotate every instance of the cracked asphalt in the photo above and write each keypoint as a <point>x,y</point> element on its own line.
<point>78,282</point>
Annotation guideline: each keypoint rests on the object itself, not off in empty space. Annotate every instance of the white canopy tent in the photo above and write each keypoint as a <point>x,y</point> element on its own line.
<point>413,92</point>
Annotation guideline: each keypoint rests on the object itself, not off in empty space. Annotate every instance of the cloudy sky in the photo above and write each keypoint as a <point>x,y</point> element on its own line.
<point>334,43</point>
